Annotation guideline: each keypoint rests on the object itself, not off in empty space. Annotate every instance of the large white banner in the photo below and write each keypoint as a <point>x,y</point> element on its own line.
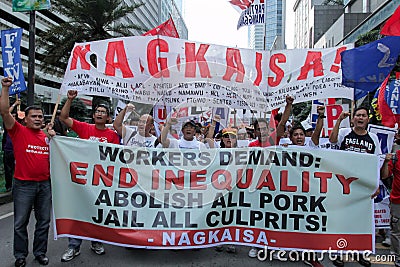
<point>174,72</point>
<point>281,197</point>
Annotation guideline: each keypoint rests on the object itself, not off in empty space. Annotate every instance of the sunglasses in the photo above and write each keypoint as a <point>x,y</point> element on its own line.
<point>229,136</point>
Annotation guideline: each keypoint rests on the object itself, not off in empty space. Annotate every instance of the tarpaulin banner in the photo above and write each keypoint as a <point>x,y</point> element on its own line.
<point>173,72</point>
<point>168,198</point>
<point>12,64</point>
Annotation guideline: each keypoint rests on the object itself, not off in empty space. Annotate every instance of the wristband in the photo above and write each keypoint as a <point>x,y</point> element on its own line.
<point>322,116</point>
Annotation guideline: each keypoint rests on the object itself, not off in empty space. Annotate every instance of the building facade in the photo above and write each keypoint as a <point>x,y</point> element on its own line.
<point>270,35</point>
<point>148,16</point>
<point>332,25</point>
<point>312,20</point>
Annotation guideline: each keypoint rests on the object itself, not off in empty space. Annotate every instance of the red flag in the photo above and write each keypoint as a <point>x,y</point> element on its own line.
<point>388,118</point>
<point>273,124</point>
<point>166,29</point>
<point>242,4</point>
<point>392,25</point>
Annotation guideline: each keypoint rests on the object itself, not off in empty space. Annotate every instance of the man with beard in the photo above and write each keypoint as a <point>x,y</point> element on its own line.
<point>97,132</point>
<point>131,137</point>
<point>187,141</point>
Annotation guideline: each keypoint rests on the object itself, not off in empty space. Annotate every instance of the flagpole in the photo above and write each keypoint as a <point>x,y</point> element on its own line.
<point>265,25</point>
<point>31,60</point>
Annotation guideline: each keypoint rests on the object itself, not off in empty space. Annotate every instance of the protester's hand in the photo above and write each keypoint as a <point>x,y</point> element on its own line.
<point>6,81</point>
<point>388,157</point>
<point>321,110</point>
<point>344,115</point>
<point>285,145</point>
<point>172,121</point>
<point>72,94</point>
<point>289,99</point>
<point>49,129</point>
<point>217,118</point>
<point>376,193</point>
<point>17,102</point>
<point>130,107</point>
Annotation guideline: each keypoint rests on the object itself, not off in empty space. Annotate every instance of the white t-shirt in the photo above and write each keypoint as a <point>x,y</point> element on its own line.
<point>134,139</point>
<point>182,143</point>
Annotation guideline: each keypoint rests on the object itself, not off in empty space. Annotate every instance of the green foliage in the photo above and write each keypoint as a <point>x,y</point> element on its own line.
<point>78,109</point>
<point>368,37</point>
<point>87,21</point>
<point>301,111</point>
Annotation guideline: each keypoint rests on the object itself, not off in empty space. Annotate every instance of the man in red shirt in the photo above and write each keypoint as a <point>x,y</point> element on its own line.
<point>96,132</point>
<point>31,178</point>
<point>261,128</point>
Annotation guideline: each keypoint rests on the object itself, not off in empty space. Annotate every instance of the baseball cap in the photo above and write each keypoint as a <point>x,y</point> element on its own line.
<point>191,122</point>
<point>229,131</point>
<point>242,131</point>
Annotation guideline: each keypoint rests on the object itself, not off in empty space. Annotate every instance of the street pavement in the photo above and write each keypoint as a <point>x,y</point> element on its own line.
<point>119,256</point>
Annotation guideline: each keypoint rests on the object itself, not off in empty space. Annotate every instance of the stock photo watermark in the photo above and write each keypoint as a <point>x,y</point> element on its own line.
<point>266,254</point>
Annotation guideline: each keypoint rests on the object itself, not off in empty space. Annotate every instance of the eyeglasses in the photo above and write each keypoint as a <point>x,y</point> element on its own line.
<point>101,112</point>
<point>231,136</point>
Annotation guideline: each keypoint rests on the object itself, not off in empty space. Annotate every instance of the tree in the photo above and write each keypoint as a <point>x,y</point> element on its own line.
<point>87,21</point>
<point>78,109</point>
<point>368,37</point>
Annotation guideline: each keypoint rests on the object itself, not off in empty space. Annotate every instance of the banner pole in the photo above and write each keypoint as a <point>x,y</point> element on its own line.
<point>18,106</point>
<point>55,109</point>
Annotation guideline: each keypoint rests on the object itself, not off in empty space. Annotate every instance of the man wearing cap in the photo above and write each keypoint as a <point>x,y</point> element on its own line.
<point>32,186</point>
<point>187,141</point>
<point>96,132</point>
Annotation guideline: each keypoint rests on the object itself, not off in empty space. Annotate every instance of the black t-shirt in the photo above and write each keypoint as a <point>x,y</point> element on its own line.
<point>350,141</point>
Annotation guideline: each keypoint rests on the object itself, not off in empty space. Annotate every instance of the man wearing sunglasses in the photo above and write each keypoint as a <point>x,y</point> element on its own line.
<point>97,132</point>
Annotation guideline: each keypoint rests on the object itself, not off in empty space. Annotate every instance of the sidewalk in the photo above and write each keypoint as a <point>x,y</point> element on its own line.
<point>5,197</point>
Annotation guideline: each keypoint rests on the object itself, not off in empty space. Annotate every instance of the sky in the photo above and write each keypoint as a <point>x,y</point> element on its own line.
<point>214,22</point>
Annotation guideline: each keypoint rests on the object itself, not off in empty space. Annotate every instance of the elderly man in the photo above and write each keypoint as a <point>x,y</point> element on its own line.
<point>130,137</point>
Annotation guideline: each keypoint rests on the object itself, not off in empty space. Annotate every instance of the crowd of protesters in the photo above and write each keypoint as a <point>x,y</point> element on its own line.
<point>31,183</point>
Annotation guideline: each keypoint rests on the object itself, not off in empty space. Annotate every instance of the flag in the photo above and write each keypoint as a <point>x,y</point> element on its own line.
<point>392,25</point>
<point>252,12</point>
<point>12,65</point>
<point>241,4</point>
<point>364,68</point>
<point>388,118</point>
<point>166,29</point>
<point>388,102</point>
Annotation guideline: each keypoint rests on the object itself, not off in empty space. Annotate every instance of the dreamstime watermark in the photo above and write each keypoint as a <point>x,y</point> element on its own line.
<point>331,254</point>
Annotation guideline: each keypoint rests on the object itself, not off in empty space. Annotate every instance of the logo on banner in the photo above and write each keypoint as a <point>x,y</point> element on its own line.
<point>12,65</point>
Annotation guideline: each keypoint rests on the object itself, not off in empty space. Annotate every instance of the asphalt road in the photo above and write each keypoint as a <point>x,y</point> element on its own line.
<point>119,256</point>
